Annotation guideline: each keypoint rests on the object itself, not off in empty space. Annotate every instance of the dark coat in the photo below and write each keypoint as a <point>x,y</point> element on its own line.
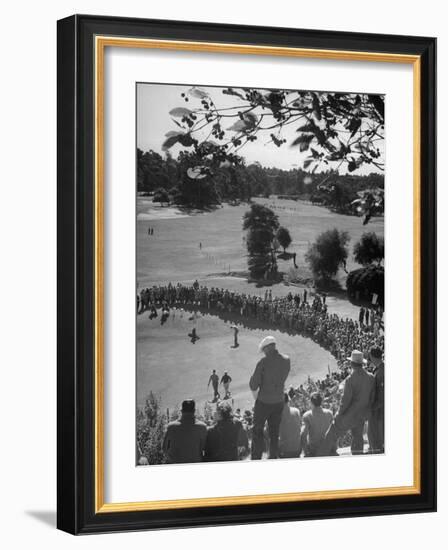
<point>378,402</point>
<point>185,440</point>
<point>223,440</point>
<point>269,377</point>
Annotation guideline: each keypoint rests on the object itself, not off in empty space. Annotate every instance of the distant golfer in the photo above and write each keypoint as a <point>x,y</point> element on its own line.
<point>268,380</point>
<point>214,379</point>
<point>225,381</point>
<point>235,335</point>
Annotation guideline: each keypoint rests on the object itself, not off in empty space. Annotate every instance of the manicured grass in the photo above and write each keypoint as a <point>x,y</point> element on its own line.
<point>173,253</point>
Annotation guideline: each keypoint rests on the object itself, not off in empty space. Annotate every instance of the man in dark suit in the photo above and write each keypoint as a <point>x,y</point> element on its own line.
<point>185,438</point>
<point>376,420</point>
<point>227,437</point>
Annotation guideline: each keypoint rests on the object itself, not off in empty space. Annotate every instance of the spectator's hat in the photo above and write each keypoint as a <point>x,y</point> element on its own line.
<point>188,406</point>
<point>357,358</point>
<point>266,342</point>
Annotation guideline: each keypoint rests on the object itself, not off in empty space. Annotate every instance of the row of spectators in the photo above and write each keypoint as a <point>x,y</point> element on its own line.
<point>226,438</point>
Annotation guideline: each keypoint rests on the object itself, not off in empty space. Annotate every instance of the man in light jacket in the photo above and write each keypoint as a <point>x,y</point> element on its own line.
<point>268,380</point>
<point>355,408</point>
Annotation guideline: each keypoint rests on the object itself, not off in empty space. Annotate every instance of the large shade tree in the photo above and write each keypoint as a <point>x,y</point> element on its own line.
<point>261,224</point>
<point>369,249</point>
<point>161,195</point>
<point>327,254</point>
<point>283,237</point>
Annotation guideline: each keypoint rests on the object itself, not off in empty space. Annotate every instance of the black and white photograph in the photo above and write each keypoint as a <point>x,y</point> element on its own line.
<point>260,273</point>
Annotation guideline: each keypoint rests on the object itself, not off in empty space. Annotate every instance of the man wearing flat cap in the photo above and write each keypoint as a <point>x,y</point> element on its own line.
<point>268,380</point>
<point>355,408</point>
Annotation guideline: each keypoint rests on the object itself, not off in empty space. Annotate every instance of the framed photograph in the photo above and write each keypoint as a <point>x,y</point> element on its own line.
<point>246,274</point>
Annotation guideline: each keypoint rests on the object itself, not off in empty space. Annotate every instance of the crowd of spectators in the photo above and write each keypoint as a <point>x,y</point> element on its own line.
<point>296,313</point>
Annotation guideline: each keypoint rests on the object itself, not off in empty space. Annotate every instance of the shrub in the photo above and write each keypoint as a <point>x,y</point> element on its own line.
<point>363,283</point>
<point>369,249</point>
<point>151,426</point>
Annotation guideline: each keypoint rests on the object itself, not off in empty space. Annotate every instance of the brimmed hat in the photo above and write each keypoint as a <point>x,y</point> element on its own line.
<point>266,342</point>
<point>357,357</point>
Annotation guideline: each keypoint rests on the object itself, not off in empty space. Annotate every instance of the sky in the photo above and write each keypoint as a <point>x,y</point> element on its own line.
<point>154,101</point>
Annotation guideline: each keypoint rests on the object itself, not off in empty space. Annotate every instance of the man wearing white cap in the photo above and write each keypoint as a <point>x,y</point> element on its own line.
<point>355,408</point>
<point>268,380</point>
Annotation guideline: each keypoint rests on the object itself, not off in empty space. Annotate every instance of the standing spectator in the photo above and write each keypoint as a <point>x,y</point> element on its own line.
<point>355,408</point>
<point>214,379</point>
<point>185,438</point>
<point>367,316</point>
<point>315,425</point>
<point>289,439</point>
<point>227,438</point>
<point>376,420</point>
<point>268,380</point>
<point>361,316</point>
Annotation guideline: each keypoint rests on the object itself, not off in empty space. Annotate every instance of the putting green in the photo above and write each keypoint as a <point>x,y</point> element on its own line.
<point>171,366</point>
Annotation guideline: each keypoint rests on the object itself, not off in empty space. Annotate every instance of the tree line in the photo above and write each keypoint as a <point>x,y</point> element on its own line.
<point>178,180</point>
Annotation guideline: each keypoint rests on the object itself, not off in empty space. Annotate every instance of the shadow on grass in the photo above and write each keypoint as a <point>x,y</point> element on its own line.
<point>285,256</point>
<point>195,210</point>
<point>250,323</point>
